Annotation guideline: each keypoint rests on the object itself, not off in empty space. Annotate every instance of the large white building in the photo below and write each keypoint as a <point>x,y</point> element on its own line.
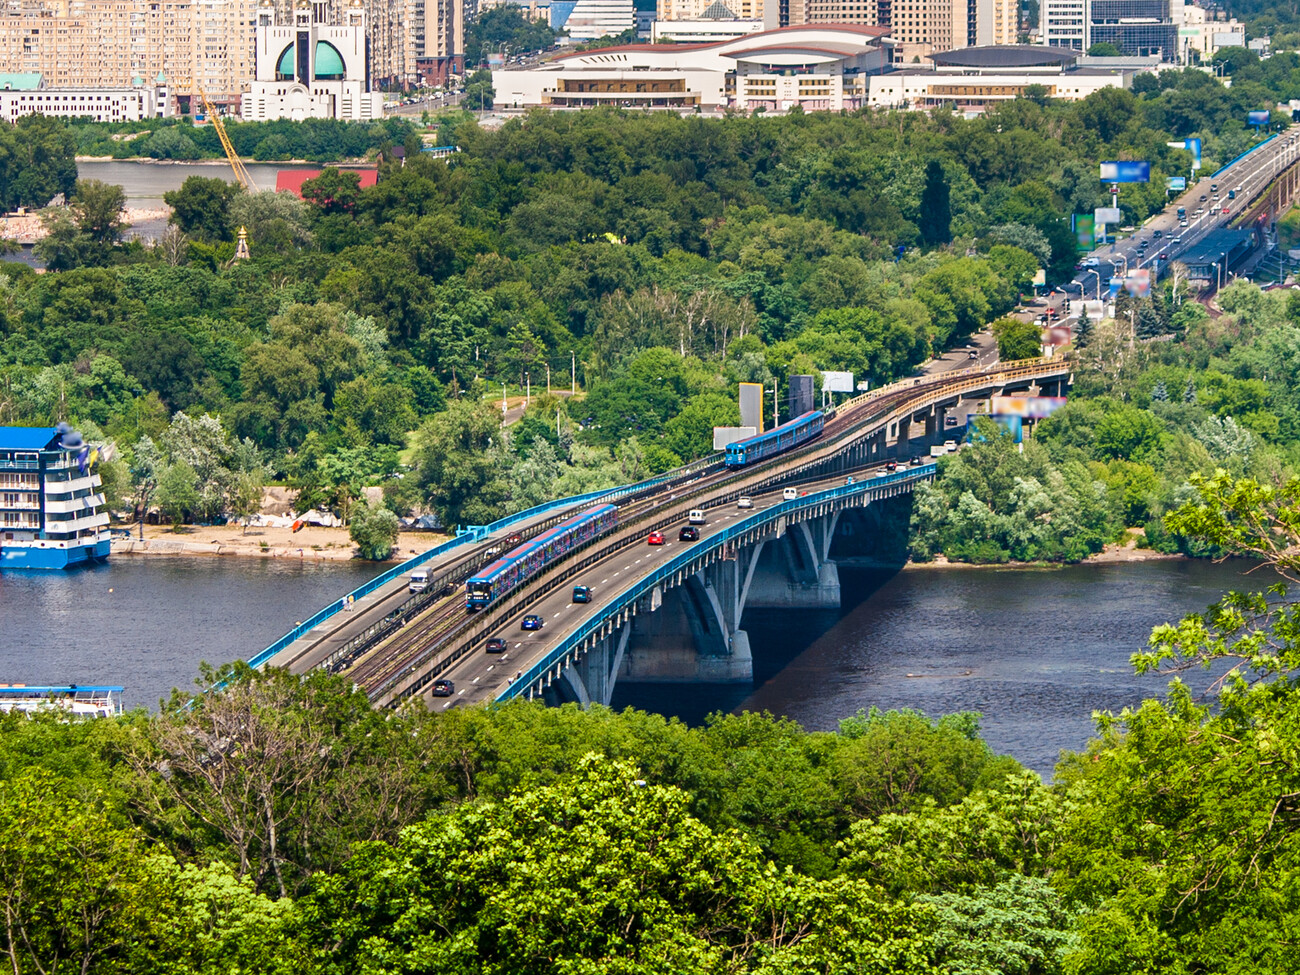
<point>972,79</point>
<point>593,19</point>
<point>821,67</point>
<point>307,69</point>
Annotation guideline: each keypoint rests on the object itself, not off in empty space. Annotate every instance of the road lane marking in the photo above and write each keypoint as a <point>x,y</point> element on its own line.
<point>476,680</point>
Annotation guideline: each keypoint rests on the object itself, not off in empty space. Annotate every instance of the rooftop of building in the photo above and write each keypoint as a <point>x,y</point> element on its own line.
<point>27,438</point>
<point>783,38</point>
<point>1006,56</point>
<point>20,80</point>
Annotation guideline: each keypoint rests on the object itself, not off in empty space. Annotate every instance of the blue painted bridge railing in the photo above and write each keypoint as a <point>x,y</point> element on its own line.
<point>533,674</point>
<point>468,536</point>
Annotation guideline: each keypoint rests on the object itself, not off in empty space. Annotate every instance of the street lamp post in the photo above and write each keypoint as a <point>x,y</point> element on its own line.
<point>1097,275</point>
<point>573,372</point>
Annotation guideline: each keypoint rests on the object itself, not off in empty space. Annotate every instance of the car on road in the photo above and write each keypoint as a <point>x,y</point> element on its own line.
<point>881,473</point>
<point>919,461</point>
<point>1156,235</point>
<point>848,480</point>
<point>973,354</point>
<point>531,622</point>
<point>1202,197</point>
<point>1182,223</point>
<point>950,445</point>
<point>582,594</point>
<point>689,533</point>
<point>1226,211</point>
<point>495,644</point>
<point>655,538</point>
<point>892,465</point>
<point>1164,255</point>
<point>745,503</point>
<point>443,688</point>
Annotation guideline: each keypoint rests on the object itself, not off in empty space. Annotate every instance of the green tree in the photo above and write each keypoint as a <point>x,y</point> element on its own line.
<point>334,191</point>
<point>1104,49</point>
<point>459,463</point>
<point>97,210</point>
<point>178,492</point>
<point>1017,339</point>
<point>201,208</point>
<point>479,93</point>
<point>37,162</point>
<point>374,529</point>
<point>935,209</point>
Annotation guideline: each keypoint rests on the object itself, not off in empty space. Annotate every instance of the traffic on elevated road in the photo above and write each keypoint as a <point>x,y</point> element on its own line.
<point>409,657</point>
<point>527,637</point>
<point>1212,203</point>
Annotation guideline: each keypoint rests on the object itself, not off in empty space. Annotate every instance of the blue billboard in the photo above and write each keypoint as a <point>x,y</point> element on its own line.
<point>1126,171</point>
<point>1176,182</point>
<point>1257,118</point>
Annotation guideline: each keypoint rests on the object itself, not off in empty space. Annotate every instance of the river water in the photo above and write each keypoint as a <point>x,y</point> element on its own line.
<point>145,182</point>
<point>1035,651</point>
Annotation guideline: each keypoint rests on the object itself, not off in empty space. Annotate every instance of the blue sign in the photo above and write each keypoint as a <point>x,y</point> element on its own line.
<point>1176,183</point>
<point>1126,171</point>
<point>1115,284</point>
<point>1194,146</point>
<point>1257,118</point>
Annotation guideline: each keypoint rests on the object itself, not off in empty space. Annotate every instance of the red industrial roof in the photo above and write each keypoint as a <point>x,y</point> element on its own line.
<point>292,179</point>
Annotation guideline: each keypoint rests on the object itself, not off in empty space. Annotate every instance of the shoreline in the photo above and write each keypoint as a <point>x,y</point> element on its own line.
<point>319,544</point>
<point>312,544</point>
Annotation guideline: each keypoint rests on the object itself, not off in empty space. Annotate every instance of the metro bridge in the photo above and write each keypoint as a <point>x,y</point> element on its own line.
<point>661,613</point>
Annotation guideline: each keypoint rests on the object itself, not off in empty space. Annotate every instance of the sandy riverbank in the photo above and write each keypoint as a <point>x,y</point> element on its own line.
<point>29,228</point>
<point>313,543</point>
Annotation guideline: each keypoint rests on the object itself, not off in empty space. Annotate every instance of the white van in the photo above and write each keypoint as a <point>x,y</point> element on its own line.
<point>789,494</point>
<point>696,517</point>
<point>419,580</point>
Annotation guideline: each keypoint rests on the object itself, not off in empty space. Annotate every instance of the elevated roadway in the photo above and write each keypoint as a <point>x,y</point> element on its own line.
<point>444,640</point>
<point>1252,177</point>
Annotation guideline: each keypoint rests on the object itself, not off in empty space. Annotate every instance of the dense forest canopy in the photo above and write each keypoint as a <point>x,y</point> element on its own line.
<point>657,260</point>
<point>282,825</point>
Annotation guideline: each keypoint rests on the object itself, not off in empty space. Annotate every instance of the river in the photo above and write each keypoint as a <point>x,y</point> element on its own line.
<point>145,182</point>
<point>1035,651</point>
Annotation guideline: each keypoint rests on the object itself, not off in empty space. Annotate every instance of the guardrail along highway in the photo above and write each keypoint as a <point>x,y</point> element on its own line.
<point>397,645</point>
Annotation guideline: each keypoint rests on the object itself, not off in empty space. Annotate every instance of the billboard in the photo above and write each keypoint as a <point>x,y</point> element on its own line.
<point>1056,335</point>
<point>1126,171</point>
<point>837,382</point>
<point>1194,147</point>
<point>725,435</point>
<point>1257,118</point>
<point>1138,282</point>
<point>751,405</point>
<point>1116,282</point>
<point>801,395</point>
<point>1176,183</point>
<point>1028,407</point>
<point>1085,229</point>
<point>1108,215</point>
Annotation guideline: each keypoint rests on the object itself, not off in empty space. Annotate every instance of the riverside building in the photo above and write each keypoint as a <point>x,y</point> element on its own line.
<point>50,503</point>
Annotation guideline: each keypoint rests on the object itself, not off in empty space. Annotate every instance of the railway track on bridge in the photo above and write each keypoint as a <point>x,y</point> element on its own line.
<point>436,642</point>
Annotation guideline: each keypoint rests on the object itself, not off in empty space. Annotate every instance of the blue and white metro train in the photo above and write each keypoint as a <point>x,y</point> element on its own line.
<point>776,441</point>
<point>532,556</point>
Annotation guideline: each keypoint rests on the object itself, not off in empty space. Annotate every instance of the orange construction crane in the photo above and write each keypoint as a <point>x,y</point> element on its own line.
<point>241,171</point>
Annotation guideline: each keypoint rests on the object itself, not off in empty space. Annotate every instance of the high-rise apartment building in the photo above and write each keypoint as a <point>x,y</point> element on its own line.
<point>1137,27</point>
<point>117,43</point>
<point>918,27</point>
<point>416,41</point>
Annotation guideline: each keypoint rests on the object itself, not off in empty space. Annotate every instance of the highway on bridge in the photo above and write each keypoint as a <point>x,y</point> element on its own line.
<point>480,676</point>
<point>408,658</point>
<point>1254,172</point>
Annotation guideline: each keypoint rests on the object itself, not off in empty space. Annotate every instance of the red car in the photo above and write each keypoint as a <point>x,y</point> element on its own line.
<point>655,538</point>
<point>1226,211</point>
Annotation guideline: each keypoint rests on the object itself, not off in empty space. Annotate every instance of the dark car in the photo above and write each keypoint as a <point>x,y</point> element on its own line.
<point>531,622</point>
<point>1202,197</point>
<point>443,688</point>
<point>689,533</point>
<point>582,594</point>
<point>1164,255</point>
<point>495,644</point>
